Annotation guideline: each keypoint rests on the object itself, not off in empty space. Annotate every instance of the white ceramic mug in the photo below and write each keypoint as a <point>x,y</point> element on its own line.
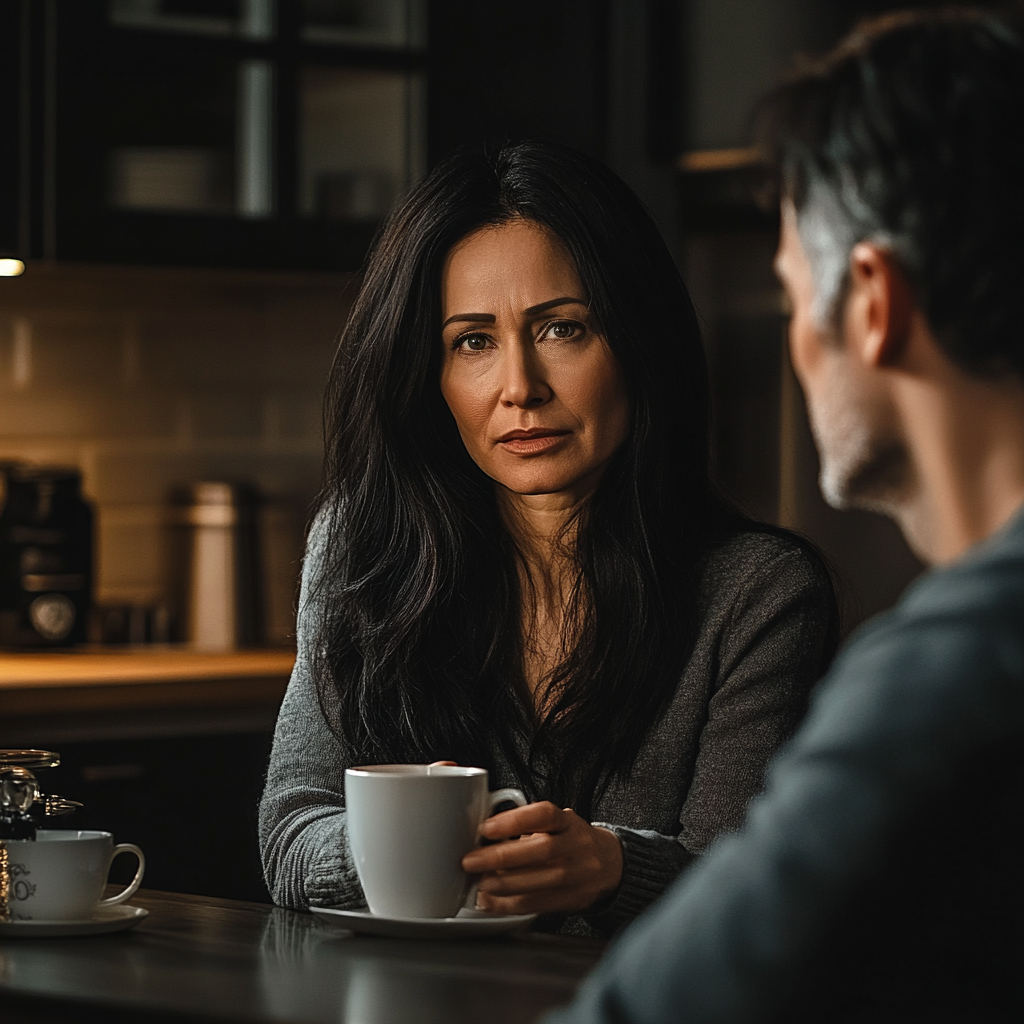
<point>60,875</point>
<point>409,826</point>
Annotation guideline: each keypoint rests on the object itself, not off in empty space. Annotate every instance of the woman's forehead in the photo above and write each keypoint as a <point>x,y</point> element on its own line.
<point>517,258</point>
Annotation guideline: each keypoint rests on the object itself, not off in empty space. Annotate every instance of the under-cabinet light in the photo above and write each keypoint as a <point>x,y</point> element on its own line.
<point>719,159</point>
<point>11,268</point>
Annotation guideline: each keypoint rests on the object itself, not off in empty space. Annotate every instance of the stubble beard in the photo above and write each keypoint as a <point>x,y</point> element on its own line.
<point>864,463</point>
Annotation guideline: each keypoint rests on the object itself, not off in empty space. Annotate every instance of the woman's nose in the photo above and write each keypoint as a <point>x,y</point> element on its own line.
<point>524,383</point>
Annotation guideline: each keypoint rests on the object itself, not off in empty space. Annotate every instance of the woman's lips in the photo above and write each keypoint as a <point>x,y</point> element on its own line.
<point>527,442</point>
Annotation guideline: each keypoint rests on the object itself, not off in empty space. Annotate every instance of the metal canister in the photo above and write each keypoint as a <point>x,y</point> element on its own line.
<point>223,598</point>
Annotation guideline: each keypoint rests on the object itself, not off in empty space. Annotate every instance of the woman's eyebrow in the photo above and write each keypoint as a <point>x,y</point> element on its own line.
<point>475,318</point>
<point>489,318</point>
<point>563,301</point>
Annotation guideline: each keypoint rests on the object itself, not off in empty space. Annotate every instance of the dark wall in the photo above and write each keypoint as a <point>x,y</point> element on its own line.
<point>9,119</point>
<point>517,68</point>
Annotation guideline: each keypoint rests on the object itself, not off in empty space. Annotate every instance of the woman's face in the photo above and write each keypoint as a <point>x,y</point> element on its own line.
<point>534,388</point>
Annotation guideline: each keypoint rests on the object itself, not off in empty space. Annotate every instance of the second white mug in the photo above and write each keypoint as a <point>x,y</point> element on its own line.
<point>409,826</point>
<point>60,875</point>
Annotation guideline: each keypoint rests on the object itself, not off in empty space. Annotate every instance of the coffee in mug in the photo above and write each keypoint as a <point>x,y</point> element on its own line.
<point>409,827</point>
<point>60,875</point>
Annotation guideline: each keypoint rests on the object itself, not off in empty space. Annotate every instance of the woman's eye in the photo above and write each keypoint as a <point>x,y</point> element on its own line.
<point>564,330</point>
<point>472,342</point>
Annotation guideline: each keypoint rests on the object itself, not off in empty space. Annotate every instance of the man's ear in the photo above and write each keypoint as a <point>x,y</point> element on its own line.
<point>879,307</point>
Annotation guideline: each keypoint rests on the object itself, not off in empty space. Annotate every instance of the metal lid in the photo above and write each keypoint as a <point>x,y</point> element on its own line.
<point>29,758</point>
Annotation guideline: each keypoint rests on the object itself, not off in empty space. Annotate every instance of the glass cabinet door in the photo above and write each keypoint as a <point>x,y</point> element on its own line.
<point>237,132</point>
<point>171,134</point>
<point>358,148</point>
<point>253,19</point>
<point>191,130</point>
<point>384,23</point>
<point>190,135</point>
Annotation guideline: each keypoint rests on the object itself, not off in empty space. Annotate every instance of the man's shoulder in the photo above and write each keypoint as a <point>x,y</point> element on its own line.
<point>984,590</point>
<point>945,664</point>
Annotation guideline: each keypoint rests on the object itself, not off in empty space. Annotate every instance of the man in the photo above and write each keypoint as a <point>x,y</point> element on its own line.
<point>880,877</point>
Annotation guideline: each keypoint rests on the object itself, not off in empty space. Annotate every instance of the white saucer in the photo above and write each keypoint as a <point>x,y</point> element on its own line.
<point>468,923</point>
<point>106,919</point>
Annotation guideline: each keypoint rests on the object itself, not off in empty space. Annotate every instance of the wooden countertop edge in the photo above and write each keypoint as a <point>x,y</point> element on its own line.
<point>139,696</point>
<point>46,670</point>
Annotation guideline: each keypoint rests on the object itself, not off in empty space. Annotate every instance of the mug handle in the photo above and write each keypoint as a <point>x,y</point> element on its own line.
<point>504,796</point>
<point>499,796</point>
<point>135,882</point>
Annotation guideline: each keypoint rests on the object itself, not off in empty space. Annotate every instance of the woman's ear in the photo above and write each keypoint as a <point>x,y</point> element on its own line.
<point>879,307</point>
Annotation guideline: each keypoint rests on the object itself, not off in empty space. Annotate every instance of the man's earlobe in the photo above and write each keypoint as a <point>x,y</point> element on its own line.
<point>881,303</point>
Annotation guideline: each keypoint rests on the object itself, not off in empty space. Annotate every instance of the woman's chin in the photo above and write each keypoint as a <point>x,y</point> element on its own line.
<point>563,491</point>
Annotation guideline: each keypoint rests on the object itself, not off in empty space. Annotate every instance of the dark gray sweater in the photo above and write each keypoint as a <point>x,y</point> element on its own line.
<point>765,611</point>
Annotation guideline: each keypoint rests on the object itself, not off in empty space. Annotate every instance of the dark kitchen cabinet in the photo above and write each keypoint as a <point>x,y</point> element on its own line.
<point>190,802</point>
<point>247,133</point>
<point>267,133</point>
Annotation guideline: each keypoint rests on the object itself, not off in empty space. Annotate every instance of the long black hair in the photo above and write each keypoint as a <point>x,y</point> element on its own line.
<point>419,654</point>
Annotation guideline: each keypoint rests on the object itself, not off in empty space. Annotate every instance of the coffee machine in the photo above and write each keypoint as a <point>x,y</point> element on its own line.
<point>46,554</point>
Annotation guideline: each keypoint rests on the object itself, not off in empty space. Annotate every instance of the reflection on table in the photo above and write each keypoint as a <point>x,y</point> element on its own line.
<point>210,959</point>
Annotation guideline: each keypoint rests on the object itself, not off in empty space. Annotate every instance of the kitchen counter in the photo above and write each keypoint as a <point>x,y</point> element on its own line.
<point>150,738</point>
<point>61,696</point>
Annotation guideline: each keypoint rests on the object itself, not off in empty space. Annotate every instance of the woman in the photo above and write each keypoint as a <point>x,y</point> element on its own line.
<point>519,562</point>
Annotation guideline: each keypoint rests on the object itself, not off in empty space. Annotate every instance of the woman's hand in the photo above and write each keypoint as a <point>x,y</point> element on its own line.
<point>558,863</point>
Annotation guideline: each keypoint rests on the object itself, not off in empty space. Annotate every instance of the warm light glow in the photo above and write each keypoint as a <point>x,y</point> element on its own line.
<point>11,268</point>
<point>719,159</point>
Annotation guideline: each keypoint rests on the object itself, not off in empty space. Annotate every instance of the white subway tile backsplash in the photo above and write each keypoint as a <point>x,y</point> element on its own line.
<point>221,415</point>
<point>21,353</point>
<point>71,413</point>
<point>148,473</point>
<point>131,560</point>
<point>76,349</point>
<point>150,379</point>
<point>300,415</point>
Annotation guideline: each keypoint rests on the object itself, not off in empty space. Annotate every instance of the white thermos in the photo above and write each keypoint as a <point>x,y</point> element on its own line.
<point>217,616</point>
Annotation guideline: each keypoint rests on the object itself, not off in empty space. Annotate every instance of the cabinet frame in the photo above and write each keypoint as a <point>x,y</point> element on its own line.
<point>54,200</point>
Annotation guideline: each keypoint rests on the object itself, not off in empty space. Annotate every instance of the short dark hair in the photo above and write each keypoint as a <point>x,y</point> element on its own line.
<point>910,132</point>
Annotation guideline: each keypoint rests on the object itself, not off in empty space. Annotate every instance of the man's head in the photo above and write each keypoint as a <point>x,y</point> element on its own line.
<point>901,163</point>
<point>864,460</point>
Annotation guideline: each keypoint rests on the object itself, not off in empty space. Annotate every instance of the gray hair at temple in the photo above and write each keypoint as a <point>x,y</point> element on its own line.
<point>830,222</point>
<point>908,135</point>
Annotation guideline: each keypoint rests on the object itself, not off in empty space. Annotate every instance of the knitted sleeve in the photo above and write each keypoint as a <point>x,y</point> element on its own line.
<point>302,826</point>
<point>767,635</point>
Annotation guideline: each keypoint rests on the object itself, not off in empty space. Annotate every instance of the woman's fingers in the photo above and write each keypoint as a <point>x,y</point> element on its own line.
<point>540,817</point>
<point>534,879</point>
<point>560,863</point>
<point>514,854</point>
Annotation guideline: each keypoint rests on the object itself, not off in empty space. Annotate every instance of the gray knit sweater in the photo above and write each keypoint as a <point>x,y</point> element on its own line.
<point>765,609</point>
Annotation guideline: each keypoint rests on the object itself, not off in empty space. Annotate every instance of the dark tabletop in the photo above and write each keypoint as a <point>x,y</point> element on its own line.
<point>202,959</point>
